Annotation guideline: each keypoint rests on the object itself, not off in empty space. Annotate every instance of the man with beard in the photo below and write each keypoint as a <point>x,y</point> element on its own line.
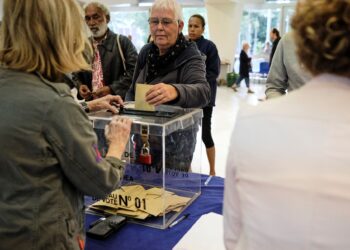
<point>114,58</point>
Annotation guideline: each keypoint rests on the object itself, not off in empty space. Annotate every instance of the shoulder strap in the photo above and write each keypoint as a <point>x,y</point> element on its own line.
<point>121,52</point>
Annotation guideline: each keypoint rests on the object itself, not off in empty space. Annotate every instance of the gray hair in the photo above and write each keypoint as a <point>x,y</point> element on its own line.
<point>99,5</point>
<point>172,5</point>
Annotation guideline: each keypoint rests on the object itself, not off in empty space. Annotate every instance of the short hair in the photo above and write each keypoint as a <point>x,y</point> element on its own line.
<point>276,31</point>
<point>200,17</point>
<point>99,5</point>
<point>245,44</point>
<point>51,44</point>
<point>172,5</point>
<point>322,35</point>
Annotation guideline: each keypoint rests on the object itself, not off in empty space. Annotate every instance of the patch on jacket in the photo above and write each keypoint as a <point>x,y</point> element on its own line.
<point>98,154</point>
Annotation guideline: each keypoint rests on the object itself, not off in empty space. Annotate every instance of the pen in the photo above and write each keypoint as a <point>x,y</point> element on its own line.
<point>178,220</point>
<point>207,180</point>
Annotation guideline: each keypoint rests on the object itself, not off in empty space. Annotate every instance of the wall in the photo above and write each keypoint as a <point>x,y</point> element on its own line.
<point>224,21</point>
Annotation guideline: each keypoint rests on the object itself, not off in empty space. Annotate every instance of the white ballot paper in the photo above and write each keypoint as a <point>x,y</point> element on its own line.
<point>207,233</point>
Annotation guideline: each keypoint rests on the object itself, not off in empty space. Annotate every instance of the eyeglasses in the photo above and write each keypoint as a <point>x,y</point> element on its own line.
<point>154,21</point>
<point>93,17</point>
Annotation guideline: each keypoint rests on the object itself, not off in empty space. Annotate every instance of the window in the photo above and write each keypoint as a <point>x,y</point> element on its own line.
<point>256,26</point>
<point>257,22</point>
<point>133,23</point>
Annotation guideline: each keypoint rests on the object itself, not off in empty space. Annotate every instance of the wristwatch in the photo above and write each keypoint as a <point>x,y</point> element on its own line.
<point>85,107</point>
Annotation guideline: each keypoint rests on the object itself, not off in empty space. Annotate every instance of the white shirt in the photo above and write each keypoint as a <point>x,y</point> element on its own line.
<point>287,181</point>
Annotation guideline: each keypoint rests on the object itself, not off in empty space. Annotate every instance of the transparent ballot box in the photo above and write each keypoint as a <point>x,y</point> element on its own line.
<point>163,156</point>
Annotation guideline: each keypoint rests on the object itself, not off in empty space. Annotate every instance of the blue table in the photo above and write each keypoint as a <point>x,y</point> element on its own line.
<point>139,237</point>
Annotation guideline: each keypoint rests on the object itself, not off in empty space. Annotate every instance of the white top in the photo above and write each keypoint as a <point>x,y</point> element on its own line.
<point>287,181</point>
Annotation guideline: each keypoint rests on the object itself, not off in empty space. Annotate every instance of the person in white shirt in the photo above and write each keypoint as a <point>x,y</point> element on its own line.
<point>287,181</point>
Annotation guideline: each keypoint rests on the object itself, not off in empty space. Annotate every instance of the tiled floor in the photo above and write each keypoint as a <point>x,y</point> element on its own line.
<point>228,103</point>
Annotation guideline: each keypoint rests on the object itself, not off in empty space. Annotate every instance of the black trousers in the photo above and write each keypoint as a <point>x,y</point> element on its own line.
<point>206,127</point>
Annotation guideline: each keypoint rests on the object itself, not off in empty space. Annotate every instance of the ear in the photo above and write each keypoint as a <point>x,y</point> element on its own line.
<point>108,18</point>
<point>181,26</point>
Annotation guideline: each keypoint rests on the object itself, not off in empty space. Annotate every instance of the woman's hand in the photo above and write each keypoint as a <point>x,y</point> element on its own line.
<point>109,102</point>
<point>161,93</point>
<point>117,133</point>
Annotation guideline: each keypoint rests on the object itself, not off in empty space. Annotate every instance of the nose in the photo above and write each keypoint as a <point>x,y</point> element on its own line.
<point>91,22</point>
<point>160,25</point>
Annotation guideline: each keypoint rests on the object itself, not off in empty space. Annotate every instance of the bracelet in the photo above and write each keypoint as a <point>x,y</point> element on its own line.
<point>85,107</point>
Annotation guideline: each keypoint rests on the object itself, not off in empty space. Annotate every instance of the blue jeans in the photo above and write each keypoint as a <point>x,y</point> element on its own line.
<point>246,79</point>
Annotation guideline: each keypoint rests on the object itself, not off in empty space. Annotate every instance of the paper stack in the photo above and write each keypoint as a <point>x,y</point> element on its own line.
<point>139,203</point>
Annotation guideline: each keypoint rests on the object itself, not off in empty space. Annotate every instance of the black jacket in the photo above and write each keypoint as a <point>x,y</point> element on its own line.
<point>187,74</point>
<point>112,66</point>
<point>212,63</point>
<point>244,64</point>
<point>273,50</point>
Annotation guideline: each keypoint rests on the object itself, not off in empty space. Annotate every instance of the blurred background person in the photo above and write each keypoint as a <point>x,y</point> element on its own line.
<point>275,38</point>
<point>113,60</point>
<point>286,73</point>
<point>196,25</point>
<point>267,48</point>
<point>49,158</point>
<point>244,68</point>
<point>288,173</point>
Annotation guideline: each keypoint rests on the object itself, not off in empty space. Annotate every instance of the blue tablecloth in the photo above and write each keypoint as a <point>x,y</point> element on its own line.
<point>139,237</point>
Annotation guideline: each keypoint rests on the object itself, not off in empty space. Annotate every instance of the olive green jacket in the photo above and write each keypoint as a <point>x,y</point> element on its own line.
<point>48,161</point>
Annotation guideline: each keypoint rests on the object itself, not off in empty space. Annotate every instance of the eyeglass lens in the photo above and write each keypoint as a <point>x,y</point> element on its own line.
<point>164,21</point>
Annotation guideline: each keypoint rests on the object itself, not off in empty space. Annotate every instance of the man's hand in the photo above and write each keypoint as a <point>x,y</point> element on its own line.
<point>85,92</point>
<point>110,102</point>
<point>102,92</point>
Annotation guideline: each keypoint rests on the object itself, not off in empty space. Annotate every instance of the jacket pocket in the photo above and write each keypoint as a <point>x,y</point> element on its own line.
<point>71,227</point>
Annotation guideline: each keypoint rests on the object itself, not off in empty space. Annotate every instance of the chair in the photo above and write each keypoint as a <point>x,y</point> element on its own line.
<point>264,68</point>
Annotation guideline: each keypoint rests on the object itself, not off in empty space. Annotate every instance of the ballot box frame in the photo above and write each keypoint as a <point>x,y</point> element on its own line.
<point>186,184</point>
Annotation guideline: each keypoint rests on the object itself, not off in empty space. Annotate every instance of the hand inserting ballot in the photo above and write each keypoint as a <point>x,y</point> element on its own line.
<point>161,93</point>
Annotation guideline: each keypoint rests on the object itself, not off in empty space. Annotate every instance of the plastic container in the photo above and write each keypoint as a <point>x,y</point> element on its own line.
<point>169,162</point>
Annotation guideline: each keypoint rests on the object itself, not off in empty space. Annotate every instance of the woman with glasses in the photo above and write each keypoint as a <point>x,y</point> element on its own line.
<point>176,70</point>
<point>171,64</point>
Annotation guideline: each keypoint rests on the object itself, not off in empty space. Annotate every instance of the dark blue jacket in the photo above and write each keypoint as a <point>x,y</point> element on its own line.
<point>212,63</point>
